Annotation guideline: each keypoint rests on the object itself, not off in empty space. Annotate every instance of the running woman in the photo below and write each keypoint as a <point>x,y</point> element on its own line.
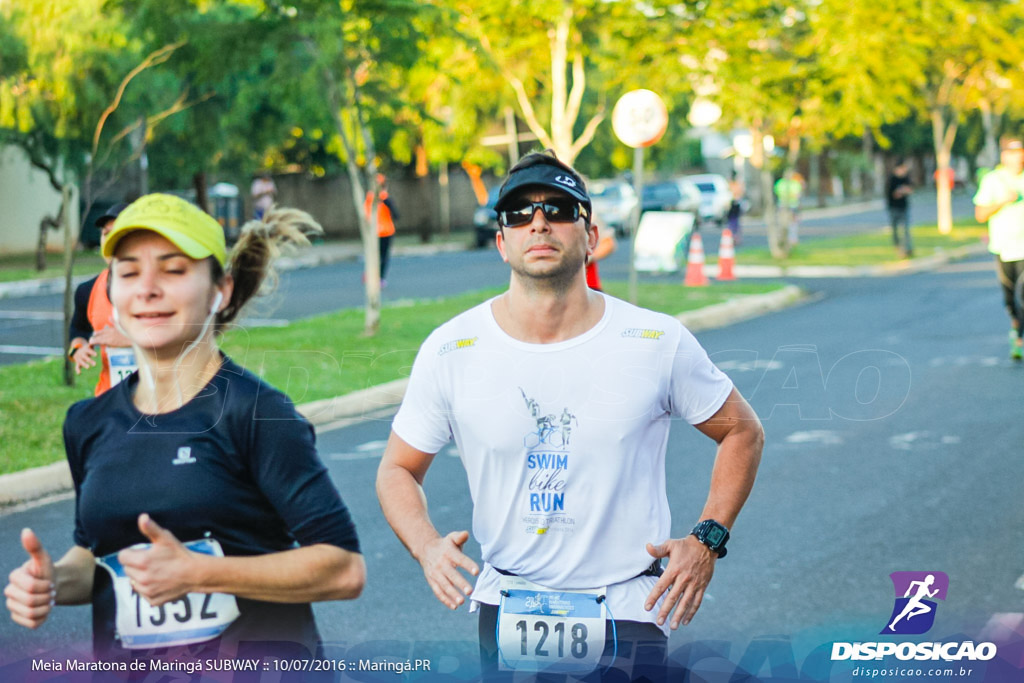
<point>204,517</point>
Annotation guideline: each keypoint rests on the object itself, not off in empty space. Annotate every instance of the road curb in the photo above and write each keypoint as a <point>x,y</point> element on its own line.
<point>38,482</point>
<point>906,267</point>
<point>738,310</point>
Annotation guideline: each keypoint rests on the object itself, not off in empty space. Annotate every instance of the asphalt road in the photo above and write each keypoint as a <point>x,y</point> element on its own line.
<point>31,327</point>
<point>893,443</point>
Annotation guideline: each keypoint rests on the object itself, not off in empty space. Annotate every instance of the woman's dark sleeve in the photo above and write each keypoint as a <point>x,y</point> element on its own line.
<point>289,472</point>
<point>80,326</point>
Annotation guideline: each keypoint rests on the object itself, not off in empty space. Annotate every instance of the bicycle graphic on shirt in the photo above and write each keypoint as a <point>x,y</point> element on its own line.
<point>551,430</point>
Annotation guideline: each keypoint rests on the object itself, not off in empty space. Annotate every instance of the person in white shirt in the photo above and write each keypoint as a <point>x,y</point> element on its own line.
<point>1000,201</point>
<point>560,399</point>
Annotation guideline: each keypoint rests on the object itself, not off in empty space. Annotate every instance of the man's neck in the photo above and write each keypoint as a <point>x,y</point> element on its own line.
<point>537,315</point>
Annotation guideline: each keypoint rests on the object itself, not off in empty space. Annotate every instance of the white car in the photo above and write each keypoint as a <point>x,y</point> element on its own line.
<point>715,196</point>
<point>613,202</point>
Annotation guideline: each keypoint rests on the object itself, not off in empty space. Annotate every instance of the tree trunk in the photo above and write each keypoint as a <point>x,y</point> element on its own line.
<point>868,171</point>
<point>445,199</point>
<point>199,184</point>
<point>943,135</point>
<point>45,225</point>
<point>69,262</point>
<point>776,241</point>
<point>367,223</point>
<point>814,181</point>
<point>989,156</point>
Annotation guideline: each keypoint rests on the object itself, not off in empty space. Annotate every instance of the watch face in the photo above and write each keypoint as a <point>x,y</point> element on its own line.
<point>715,535</point>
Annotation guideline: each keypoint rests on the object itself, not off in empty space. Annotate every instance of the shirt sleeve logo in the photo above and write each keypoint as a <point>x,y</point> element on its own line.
<point>457,344</point>
<point>641,333</point>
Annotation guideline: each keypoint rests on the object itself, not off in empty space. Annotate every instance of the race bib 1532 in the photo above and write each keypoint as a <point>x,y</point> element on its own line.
<point>192,618</point>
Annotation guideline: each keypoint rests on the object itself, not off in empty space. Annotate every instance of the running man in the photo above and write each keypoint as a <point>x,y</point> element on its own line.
<point>585,525</point>
<point>1000,201</point>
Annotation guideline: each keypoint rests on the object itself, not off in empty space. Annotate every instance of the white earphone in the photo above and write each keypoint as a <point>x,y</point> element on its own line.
<point>216,302</point>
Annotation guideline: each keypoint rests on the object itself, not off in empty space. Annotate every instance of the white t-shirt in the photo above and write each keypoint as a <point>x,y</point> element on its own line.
<point>563,444</point>
<point>1005,227</point>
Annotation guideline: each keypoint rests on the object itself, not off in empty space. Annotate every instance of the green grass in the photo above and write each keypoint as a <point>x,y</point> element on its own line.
<point>33,400</point>
<point>15,267</point>
<point>311,359</point>
<point>866,249</point>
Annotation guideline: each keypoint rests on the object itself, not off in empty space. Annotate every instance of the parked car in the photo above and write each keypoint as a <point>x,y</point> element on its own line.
<point>613,201</point>
<point>671,195</point>
<point>691,197</point>
<point>485,220</point>
<point>715,196</point>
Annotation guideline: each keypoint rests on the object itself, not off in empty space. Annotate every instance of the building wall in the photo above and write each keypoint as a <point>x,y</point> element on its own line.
<point>417,200</point>
<point>25,197</point>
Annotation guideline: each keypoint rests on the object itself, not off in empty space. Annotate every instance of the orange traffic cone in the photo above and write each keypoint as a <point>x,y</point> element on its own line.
<point>695,263</point>
<point>726,256</point>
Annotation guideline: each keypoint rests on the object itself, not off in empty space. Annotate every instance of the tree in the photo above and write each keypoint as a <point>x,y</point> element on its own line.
<point>550,55</point>
<point>758,63</point>
<point>60,106</point>
<point>961,72</point>
<point>351,57</point>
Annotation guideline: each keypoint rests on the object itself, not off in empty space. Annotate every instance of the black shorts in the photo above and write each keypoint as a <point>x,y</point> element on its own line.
<point>640,655</point>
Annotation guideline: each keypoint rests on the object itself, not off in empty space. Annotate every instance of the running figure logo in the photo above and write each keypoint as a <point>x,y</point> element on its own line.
<point>914,612</point>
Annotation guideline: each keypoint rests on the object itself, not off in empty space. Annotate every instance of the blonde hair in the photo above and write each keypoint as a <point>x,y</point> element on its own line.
<point>250,262</point>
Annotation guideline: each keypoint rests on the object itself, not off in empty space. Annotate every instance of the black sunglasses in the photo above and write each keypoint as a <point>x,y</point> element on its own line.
<point>555,209</point>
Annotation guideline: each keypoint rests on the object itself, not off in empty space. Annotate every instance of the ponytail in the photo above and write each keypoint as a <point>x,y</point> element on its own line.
<point>261,241</point>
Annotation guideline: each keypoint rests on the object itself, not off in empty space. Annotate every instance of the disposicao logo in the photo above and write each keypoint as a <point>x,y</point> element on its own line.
<point>913,614</point>
<point>916,592</point>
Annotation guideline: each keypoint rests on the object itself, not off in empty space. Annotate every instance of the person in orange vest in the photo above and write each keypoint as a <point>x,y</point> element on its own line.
<point>92,332</point>
<point>387,214</point>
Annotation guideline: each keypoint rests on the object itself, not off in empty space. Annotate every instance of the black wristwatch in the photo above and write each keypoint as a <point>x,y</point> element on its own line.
<point>712,534</point>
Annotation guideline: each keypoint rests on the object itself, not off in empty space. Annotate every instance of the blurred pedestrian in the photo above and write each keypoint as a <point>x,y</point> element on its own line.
<point>92,331</point>
<point>204,520</point>
<point>387,214</point>
<point>1000,201</point>
<point>789,189</point>
<point>264,192</point>
<point>737,190</point>
<point>897,195</point>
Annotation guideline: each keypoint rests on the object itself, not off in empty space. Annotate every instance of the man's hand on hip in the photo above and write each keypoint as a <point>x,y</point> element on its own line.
<point>441,560</point>
<point>689,570</point>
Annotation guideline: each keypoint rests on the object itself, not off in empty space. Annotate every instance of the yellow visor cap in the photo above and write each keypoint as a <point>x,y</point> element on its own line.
<point>182,223</point>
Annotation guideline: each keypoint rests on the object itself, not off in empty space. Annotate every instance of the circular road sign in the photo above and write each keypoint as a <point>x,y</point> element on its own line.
<point>639,118</point>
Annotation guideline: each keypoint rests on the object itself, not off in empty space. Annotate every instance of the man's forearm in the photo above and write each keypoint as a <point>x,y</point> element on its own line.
<point>732,477</point>
<point>405,508</point>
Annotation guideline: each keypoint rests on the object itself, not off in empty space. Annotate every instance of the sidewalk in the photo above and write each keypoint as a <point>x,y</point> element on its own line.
<point>40,482</point>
